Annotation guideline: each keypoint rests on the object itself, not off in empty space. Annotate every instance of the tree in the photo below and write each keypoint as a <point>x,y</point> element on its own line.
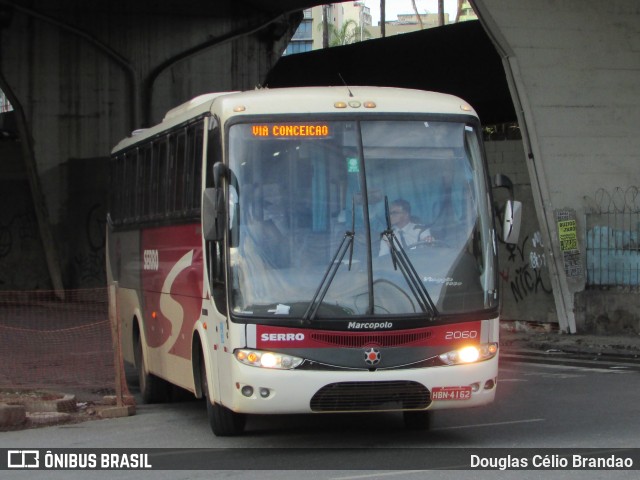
<point>418,16</point>
<point>459,10</point>
<point>348,33</point>
<point>325,26</point>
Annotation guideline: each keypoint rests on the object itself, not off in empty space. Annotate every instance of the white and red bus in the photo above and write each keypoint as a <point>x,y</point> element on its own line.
<point>260,263</point>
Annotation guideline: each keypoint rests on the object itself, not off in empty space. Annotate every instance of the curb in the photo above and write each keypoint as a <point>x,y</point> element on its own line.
<point>117,412</point>
<point>47,418</point>
<point>65,404</point>
<point>28,412</point>
<point>112,400</point>
<point>18,416</point>
<point>127,409</point>
<point>12,415</point>
<point>611,346</point>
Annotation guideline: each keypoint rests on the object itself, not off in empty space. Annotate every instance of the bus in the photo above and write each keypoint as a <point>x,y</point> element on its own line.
<point>255,239</point>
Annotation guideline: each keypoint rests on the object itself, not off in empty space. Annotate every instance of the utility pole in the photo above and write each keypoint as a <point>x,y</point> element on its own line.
<point>418,16</point>
<point>382,18</point>
<point>325,26</point>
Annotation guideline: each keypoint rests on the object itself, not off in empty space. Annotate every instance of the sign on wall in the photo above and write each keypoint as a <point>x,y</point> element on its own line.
<point>568,236</point>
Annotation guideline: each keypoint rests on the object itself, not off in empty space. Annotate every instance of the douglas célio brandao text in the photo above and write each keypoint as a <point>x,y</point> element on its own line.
<point>551,462</point>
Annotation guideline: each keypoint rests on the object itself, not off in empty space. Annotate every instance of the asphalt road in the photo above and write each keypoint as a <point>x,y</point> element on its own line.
<point>543,401</point>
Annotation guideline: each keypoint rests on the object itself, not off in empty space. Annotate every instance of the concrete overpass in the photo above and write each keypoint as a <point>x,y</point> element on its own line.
<point>83,76</point>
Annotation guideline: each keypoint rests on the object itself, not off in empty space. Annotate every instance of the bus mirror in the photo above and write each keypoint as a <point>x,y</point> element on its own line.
<point>213,213</point>
<point>219,171</point>
<point>512,221</point>
<point>502,181</point>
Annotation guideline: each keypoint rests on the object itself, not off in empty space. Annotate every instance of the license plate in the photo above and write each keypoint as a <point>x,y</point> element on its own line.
<point>451,393</point>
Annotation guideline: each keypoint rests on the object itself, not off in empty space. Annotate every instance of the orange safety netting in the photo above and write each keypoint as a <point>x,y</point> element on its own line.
<point>61,344</point>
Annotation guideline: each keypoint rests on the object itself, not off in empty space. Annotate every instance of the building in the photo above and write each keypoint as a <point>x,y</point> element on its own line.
<point>302,40</point>
<point>5,106</point>
<point>406,23</point>
<point>308,36</point>
<point>465,12</point>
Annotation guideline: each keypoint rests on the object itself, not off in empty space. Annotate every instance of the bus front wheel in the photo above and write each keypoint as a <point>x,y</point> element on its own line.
<point>223,422</point>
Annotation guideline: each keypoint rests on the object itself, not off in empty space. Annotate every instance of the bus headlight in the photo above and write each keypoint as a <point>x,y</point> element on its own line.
<point>470,354</point>
<point>259,358</point>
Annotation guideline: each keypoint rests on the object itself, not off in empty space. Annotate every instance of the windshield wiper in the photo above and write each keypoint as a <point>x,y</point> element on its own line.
<point>334,265</point>
<point>400,259</point>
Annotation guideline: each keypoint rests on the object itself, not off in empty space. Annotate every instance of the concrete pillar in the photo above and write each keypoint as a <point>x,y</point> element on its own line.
<point>574,71</point>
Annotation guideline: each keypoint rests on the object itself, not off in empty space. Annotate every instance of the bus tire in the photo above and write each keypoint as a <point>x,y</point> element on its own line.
<point>152,388</point>
<point>417,419</point>
<point>223,422</point>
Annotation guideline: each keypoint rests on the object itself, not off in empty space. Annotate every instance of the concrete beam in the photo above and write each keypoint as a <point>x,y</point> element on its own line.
<point>40,207</point>
<point>86,75</point>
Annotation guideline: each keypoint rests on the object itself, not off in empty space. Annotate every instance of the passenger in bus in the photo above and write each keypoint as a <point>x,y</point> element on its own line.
<point>408,233</point>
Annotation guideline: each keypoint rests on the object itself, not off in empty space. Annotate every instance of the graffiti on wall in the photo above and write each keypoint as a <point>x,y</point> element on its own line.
<point>526,263</point>
<point>90,262</point>
<point>613,237</point>
<point>21,227</point>
<point>20,245</point>
<point>19,238</point>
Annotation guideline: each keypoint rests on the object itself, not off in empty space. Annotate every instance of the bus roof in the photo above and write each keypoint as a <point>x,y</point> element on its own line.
<point>305,100</point>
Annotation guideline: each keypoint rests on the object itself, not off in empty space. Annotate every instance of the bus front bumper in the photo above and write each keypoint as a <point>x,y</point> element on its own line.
<point>268,391</point>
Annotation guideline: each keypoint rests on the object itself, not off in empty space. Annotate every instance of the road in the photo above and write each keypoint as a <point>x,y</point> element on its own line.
<point>543,401</point>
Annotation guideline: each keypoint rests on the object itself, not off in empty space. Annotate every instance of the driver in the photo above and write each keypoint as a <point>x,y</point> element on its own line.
<point>407,232</point>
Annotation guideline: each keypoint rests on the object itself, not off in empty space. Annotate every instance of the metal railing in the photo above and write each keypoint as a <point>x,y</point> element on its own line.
<point>613,238</point>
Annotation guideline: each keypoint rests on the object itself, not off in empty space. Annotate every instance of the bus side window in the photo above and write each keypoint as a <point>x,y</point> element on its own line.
<point>129,183</point>
<point>193,168</point>
<point>171,175</point>
<point>179,174</point>
<point>215,250</point>
<point>160,152</point>
<point>146,187</point>
<point>117,179</point>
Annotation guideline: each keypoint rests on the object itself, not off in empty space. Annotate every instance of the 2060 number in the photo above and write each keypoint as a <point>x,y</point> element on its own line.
<point>461,335</point>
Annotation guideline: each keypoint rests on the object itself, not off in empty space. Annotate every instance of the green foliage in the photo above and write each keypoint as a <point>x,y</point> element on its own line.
<point>349,32</point>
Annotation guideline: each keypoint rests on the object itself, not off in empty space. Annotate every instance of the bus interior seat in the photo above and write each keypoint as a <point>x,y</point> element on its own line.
<point>270,243</point>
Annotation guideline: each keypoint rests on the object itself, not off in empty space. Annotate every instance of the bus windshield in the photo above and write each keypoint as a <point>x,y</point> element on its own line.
<point>298,189</point>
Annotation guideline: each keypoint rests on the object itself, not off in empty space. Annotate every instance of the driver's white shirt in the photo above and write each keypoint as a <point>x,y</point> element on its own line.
<point>411,233</point>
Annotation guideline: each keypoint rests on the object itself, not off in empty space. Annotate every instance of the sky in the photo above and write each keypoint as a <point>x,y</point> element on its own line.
<point>394,7</point>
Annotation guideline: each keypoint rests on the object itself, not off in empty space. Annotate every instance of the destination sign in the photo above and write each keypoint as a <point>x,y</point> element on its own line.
<point>283,130</point>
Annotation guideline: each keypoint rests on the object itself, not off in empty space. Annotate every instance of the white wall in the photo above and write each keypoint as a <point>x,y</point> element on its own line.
<point>574,67</point>
<point>526,290</point>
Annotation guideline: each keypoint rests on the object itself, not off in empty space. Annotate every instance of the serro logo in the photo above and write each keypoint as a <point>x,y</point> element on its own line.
<point>151,260</point>
<point>282,337</point>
